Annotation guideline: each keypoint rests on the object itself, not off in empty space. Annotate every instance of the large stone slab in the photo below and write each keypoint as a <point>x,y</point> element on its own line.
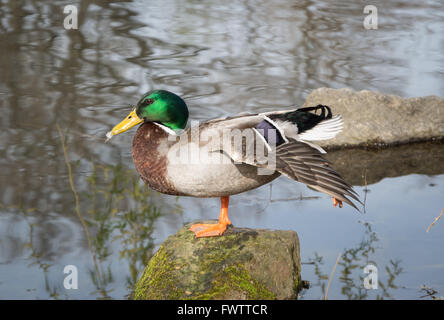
<point>374,119</point>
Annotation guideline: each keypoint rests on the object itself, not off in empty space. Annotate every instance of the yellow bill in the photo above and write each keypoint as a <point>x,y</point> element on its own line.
<point>130,121</point>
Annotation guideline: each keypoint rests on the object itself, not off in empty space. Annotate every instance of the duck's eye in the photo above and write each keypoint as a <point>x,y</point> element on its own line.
<point>147,102</point>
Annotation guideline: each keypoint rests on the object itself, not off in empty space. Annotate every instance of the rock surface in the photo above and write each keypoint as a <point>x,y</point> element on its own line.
<point>372,118</point>
<point>242,264</point>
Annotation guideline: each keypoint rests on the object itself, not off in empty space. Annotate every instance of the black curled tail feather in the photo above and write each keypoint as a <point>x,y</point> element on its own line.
<point>316,108</point>
<point>305,118</point>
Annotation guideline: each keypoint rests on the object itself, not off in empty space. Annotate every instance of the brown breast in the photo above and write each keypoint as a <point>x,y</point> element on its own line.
<point>148,160</point>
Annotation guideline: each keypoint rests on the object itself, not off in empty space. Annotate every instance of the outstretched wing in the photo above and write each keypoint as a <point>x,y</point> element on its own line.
<point>301,162</point>
<point>288,152</point>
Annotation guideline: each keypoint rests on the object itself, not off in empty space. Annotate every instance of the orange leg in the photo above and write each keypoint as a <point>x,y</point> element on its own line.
<point>336,201</point>
<point>212,230</point>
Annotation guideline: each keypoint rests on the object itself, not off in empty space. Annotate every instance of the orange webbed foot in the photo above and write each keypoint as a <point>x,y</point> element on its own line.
<point>336,202</point>
<point>213,230</point>
<point>208,230</point>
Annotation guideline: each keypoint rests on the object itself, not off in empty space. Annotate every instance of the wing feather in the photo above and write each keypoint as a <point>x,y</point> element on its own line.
<point>326,129</point>
<point>301,162</point>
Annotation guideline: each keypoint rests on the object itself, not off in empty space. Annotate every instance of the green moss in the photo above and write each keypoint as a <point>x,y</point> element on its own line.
<point>235,281</point>
<point>158,281</point>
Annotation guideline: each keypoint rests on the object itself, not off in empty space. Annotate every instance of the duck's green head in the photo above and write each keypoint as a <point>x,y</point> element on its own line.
<point>159,106</point>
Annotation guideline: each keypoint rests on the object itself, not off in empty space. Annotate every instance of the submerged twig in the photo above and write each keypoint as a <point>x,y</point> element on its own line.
<point>331,275</point>
<point>429,292</point>
<point>434,221</point>
<point>76,198</point>
<point>365,189</point>
<point>300,198</point>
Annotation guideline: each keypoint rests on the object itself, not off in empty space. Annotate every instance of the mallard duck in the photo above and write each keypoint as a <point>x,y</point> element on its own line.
<point>197,161</point>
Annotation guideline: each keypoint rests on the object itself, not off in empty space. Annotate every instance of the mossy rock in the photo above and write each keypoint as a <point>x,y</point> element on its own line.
<point>241,264</point>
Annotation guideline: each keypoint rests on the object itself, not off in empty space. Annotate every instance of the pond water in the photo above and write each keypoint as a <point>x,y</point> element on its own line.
<point>67,198</point>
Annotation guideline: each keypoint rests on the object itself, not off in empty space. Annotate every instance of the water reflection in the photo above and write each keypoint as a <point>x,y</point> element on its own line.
<point>224,59</point>
<point>37,258</point>
<point>120,215</point>
<point>109,201</point>
<point>364,167</point>
<point>351,263</point>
